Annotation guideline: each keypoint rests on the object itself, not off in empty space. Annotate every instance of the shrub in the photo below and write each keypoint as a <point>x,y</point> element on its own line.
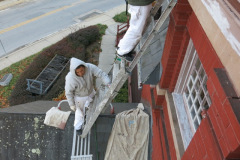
<point>122,96</point>
<point>85,37</point>
<point>122,17</point>
<point>72,46</point>
<point>102,29</point>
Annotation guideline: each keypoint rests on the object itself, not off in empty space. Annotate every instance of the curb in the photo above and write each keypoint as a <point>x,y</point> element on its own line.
<point>9,3</point>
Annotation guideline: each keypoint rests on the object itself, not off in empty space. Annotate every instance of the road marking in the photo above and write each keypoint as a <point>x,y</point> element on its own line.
<point>36,18</point>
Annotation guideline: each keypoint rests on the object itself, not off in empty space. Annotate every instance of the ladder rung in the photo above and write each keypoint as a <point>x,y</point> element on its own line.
<point>81,147</point>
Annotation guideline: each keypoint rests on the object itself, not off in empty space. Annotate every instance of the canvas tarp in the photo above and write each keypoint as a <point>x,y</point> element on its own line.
<point>129,137</point>
<point>56,118</point>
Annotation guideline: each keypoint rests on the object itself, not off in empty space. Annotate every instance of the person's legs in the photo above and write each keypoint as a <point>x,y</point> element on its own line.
<point>139,15</point>
<point>79,115</point>
<point>79,119</point>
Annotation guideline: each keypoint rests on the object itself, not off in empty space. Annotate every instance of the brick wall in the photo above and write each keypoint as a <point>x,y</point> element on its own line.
<point>169,135</point>
<point>223,113</point>
<point>157,152</point>
<point>162,140</point>
<point>203,145</point>
<point>146,93</point>
<point>177,39</point>
<point>218,136</point>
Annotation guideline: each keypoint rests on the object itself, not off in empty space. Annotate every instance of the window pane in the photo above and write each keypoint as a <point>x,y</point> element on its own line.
<point>197,104</point>
<point>205,84</point>
<point>198,85</point>
<point>196,124</point>
<point>194,94</point>
<point>201,95</point>
<point>198,64</point>
<point>202,73</point>
<point>190,84</point>
<point>189,102</point>
<point>194,75</point>
<point>200,116</point>
<point>186,92</point>
<point>205,105</point>
<point>193,114</point>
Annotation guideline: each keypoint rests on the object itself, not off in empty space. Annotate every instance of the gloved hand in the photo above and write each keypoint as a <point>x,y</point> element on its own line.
<point>86,104</point>
<point>73,108</point>
<point>89,100</point>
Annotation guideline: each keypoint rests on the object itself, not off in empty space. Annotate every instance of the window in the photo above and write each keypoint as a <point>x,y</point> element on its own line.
<point>191,86</point>
<point>195,93</point>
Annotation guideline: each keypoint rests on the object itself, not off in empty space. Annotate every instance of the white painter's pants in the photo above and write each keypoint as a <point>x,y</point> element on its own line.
<point>81,103</point>
<point>139,15</point>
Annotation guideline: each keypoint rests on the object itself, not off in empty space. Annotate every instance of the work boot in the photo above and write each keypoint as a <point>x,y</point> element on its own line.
<point>128,57</point>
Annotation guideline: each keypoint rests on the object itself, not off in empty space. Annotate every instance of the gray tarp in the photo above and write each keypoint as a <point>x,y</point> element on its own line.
<point>130,136</point>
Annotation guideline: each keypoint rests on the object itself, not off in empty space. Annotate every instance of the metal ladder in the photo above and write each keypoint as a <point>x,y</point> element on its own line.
<point>106,95</point>
<point>81,147</point>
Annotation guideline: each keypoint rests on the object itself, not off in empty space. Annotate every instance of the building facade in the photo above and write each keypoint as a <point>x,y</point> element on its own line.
<point>196,103</point>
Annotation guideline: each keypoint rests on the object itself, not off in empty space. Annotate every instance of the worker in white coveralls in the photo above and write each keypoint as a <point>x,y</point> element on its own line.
<point>79,88</point>
<point>139,10</point>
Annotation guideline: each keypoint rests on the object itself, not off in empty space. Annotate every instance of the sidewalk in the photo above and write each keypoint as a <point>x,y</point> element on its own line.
<point>108,43</point>
<point>9,3</point>
<point>107,56</point>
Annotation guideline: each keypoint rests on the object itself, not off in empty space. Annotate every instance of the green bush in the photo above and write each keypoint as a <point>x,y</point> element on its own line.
<point>85,37</point>
<point>72,46</point>
<point>122,17</point>
<point>102,29</point>
<point>122,96</point>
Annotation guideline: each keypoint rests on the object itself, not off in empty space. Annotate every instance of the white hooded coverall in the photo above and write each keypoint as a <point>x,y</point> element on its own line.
<point>139,15</point>
<point>80,90</point>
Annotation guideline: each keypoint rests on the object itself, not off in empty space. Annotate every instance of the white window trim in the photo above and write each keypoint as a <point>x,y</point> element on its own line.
<point>186,122</point>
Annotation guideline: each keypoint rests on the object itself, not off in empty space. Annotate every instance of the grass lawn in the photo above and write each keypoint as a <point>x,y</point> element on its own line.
<point>16,69</point>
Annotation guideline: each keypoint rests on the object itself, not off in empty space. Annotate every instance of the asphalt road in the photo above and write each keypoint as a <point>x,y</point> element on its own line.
<point>28,22</point>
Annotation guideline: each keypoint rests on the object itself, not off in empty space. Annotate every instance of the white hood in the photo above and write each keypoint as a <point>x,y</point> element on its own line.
<point>82,86</point>
<point>74,63</point>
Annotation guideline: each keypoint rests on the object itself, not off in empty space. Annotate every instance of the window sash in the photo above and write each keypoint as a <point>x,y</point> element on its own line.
<point>191,85</point>
<point>195,92</point>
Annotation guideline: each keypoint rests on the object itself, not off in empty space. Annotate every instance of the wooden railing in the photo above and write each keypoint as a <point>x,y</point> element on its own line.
<point>121,30</point>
